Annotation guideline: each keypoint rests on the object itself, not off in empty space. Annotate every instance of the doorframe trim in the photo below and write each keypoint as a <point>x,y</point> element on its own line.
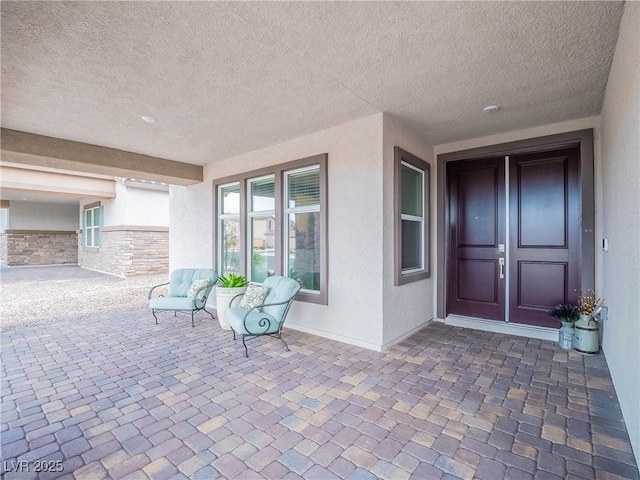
<point>580,138</point>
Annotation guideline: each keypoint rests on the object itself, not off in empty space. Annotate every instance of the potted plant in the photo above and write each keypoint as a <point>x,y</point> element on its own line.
<point>229,287</point>
<point>567,314</point>
<point>586,338</point>
<point>588,304</point>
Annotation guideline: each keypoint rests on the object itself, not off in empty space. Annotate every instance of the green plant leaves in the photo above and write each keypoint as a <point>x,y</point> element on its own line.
<point>233,281</point>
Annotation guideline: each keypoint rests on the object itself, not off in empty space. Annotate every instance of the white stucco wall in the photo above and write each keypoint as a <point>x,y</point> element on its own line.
<point>115,210</point>
<point>147,207</point>
<point>42,216</point>
<point>406,307</point>
<point>134,207</point>
<point>620,121</point>
<point>355,182</point>
<point>191,220</point>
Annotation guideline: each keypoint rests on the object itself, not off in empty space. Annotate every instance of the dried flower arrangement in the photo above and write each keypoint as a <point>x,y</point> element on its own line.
<point>588,303</point>
<point>565,312</point>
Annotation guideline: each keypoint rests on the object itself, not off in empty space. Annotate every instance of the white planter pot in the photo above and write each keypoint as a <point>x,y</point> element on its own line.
<point>586,338</point>
<point>565,334</point>
<point>223,297</point>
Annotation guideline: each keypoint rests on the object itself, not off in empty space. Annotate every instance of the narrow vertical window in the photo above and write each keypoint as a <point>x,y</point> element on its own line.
<point>412,218</point>
<point>411,224</point>
<point>261,228</point>
<point>302,227</point>
<point>229,228</point>
<point>92,237</point>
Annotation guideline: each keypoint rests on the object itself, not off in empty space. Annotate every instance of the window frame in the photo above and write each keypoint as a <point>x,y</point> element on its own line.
<point>226,216</point>
<point>252,213</point>
<point>402,277</point>
<point>92,207</point>
<point>278,171</point>
<point>286,211</point>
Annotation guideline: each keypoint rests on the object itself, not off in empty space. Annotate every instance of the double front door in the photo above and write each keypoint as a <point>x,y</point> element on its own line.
<point>514,236</point>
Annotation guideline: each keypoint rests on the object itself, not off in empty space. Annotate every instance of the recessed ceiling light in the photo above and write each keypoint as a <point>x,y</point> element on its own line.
<point>491,108</point>
<point>148,119</point>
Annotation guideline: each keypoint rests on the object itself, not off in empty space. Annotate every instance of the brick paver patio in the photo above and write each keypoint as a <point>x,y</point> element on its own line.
<point>119,397</point>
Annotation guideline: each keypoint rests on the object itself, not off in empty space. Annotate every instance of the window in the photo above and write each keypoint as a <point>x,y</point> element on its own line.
<point>302,227</point>
<point>92,219</point>
<point>229,229</point>
<point>273,222</point>
<point>411,217</point>
<point>261,248</point>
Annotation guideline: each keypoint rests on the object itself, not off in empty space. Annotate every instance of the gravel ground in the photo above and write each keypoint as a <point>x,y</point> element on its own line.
<point>40,302</point>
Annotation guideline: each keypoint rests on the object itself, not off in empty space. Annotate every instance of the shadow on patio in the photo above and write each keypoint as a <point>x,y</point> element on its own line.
<point>117,396</point>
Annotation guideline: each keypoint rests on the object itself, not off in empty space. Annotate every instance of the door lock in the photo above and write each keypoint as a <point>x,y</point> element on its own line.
<point>501,267</point>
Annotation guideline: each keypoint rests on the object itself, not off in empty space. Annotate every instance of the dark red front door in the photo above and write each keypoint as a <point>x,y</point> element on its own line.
<point>514,277</point>
<point>544,234</point>
<point>476,231</point>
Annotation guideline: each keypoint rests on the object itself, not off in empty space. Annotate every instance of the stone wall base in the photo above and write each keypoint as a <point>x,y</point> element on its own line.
<point>127,253</point>
<point>39,247</point>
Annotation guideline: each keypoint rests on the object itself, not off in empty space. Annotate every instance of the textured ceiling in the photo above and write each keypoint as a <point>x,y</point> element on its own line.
<point>224,78</point>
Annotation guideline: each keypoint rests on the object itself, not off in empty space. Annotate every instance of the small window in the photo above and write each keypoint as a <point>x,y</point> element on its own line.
<point>411,223</point>
<point>92,236</point>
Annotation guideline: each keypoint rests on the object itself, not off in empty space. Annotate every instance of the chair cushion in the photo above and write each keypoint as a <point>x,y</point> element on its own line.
<point>195,289</point>
<point>280,290</point>
<point>253,297</point>
<point>235,317</point>
<point>172,303</point>
<point>182,278</point>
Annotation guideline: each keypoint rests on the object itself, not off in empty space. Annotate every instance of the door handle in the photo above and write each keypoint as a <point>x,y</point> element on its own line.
<point>501,267</point>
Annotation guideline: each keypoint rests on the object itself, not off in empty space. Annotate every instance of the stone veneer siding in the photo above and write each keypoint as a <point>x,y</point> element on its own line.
<point>128,251</point>
<point>40,247</point>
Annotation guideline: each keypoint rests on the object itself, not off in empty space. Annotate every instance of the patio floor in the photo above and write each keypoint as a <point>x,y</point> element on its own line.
<point>120,397</point>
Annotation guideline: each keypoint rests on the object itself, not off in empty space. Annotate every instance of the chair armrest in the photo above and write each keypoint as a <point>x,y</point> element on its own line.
<point>153,288</point>
<point>196,297</point>
<point>257,308</point>
<point>204,299</point>
<point>265,322</point>
<point>236,296</point>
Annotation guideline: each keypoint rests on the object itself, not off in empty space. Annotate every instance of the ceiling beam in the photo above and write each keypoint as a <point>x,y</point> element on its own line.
<point>37,181</point>
<point>38,150</point>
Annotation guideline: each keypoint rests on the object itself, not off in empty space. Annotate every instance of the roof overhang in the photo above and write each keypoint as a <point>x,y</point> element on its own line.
<point>35,184</point>
<point>37,150</point>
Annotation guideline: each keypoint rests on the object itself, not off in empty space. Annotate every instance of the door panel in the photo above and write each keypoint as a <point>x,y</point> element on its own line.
<point>476,227</point>
<point>542,203</point>
<point>472,280</point>
<point>477,201</point>
<point>544,234</point>
<point>549,278</point>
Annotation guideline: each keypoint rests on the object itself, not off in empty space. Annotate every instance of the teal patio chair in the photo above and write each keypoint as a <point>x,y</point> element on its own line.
<point>189,290</point>
<point>268,318</point>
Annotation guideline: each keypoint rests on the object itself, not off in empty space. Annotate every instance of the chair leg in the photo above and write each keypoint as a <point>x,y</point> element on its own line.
<point>246,351</point>
<point>204,308</point>
<point>234,333</point>
<point>154,315</point>
<point>192,325</point>
<point>285,343</point>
